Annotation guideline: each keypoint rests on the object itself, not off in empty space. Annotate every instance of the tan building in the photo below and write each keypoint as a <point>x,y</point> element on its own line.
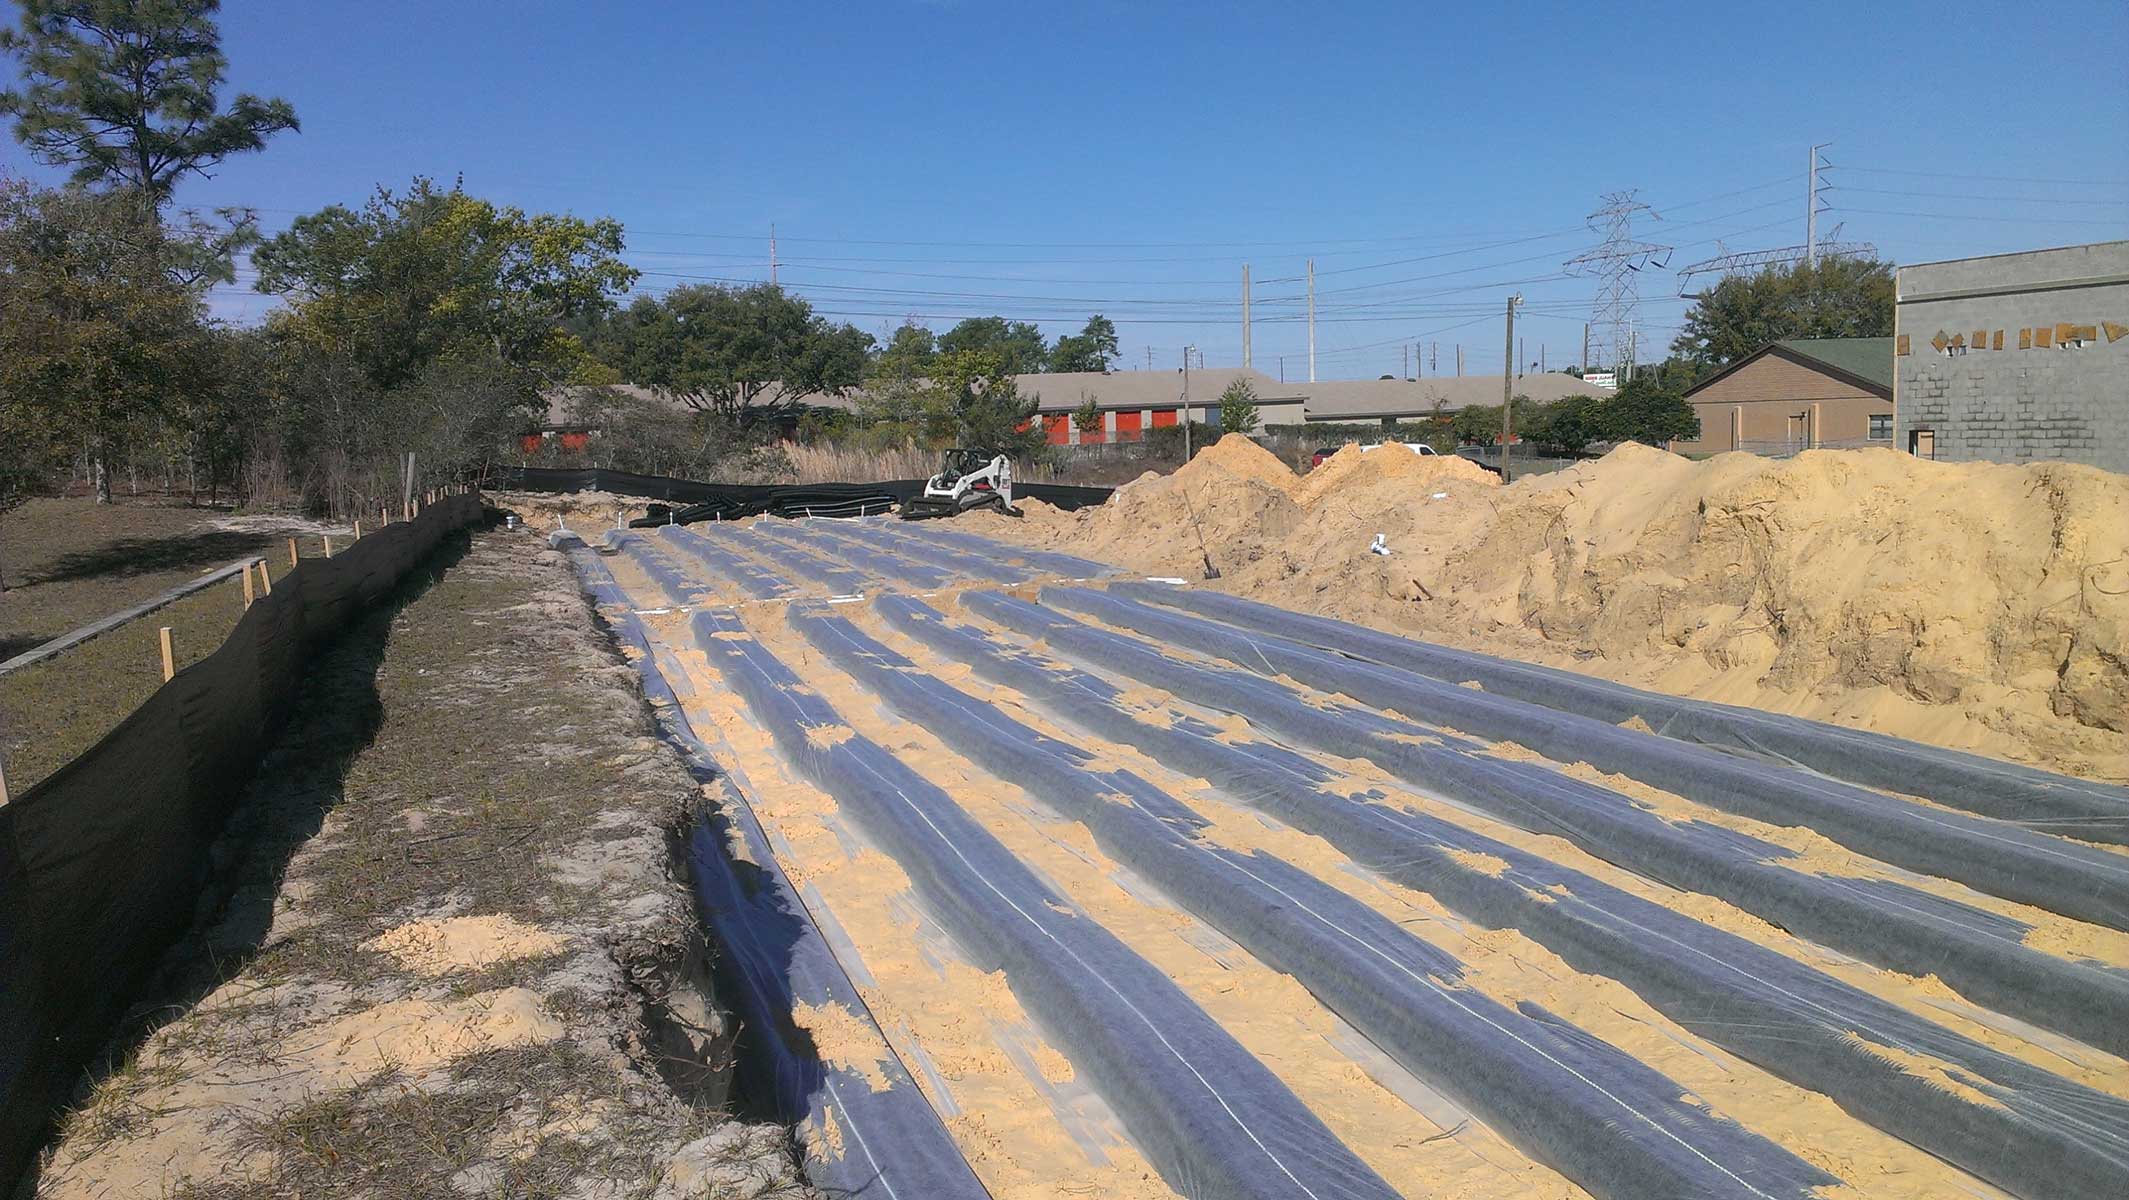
<point>1796,395</point>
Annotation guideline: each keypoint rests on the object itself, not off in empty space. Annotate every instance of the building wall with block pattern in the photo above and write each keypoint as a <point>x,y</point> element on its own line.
<point>2016,357</point>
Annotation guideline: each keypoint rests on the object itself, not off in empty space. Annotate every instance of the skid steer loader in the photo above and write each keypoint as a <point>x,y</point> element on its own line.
<point>969,478</point>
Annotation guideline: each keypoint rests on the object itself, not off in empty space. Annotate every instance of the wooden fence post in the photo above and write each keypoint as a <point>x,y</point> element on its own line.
<point>169,658</point>
<point>3,781</point>
<point>292,558</point>
<point>328,545</point>
<point>358,527</point>
<point>266,581</point>
<point>249,595</point>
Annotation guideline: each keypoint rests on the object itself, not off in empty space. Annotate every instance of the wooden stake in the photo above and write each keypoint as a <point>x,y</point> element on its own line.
<point>358,527</point>
<point>249,595</point>
<point>328,545</point>
<point>3,781</point>
<point>169,658</point>
<point>266,581</point>
<point>292,558</point>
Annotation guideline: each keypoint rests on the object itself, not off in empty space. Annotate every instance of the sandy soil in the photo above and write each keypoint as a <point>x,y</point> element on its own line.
<point>451,960</point>
<point>1973,605</point>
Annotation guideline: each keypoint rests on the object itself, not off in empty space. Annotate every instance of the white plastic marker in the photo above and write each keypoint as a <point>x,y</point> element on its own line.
<point>1379,546</point>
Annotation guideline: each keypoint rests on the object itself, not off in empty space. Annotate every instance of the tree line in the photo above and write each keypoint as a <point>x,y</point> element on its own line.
<point>429,319</point>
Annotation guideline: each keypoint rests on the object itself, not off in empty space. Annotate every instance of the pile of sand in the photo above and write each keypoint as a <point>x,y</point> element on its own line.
<point>463,943</point>
<point>1972,604</point>
<point>586,512</point>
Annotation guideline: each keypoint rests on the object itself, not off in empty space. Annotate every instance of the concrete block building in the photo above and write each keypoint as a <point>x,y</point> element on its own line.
<point>2016,357</point>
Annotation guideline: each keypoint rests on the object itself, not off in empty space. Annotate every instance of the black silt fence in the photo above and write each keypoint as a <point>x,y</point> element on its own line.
<point>102,862</point>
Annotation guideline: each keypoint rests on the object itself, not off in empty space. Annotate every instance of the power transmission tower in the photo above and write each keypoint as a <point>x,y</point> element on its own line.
<point>1727,262</point>
<point>1617,263</point>
<point>1741,262</point>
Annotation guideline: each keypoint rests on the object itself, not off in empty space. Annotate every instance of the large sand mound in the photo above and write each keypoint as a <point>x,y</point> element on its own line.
<point>1972,604</point>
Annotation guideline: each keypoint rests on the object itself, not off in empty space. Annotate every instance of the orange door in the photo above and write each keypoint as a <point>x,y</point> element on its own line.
<point>1164,418</point>
<point>1057,429</point>
<point>1128,426</point>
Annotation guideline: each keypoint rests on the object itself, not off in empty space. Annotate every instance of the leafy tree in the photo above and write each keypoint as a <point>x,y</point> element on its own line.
<point>1238,408</point>
<point>907,354</point>
<point>123,91</point>
<point>1088,416</point>
<point>1650,408</point>
<point>1840,297</point>
<point>1574,422</point>
<point>415,278</point>
<point>1019,346</point>
<point>736,353</point>
<point>101,343</point>
<point>1093,348</point>
<point>973,398</point>
<point>1480,424</point>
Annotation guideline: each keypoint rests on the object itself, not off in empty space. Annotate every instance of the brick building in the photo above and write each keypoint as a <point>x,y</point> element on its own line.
<point>2016,357</point>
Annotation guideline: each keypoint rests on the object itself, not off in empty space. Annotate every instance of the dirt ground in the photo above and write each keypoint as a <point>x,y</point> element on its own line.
<point>451,960</point>
<point>1973,605</point>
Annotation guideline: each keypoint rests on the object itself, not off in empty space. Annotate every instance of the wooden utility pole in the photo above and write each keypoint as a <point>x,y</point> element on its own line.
<point>1186,402</point>
<point>1508,386</point>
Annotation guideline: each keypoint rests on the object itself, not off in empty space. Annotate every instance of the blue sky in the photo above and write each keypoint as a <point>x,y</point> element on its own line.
<point>1045,161</point>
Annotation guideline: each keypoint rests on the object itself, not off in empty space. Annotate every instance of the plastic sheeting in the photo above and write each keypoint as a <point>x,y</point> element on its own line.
<point>2037,799</point>
<point>101,864</point>
<point>1042,562</point>
<point>2032,1132</point>
<point>916,546</point>
<point>1568,1099</point>
<point>1209,1116</point>
<point>1881,921</point>
<point>736,501</point>
<point>771,956</point>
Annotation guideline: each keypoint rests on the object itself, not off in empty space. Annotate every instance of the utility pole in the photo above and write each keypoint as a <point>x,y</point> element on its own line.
<point>1312,320</point>
<point>1459,360</point>
<point>1508,387</point>
<point>1245,316</point>
<point>1404,362</point>
<point>1434,357</point>
<point>1584,364</point>
<point>1282,368</point>
<point>1149,358</point>
<point>1186,402</point>
<point>772,254</point>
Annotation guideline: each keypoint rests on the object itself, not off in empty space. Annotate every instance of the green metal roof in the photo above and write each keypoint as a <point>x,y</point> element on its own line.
<point>1865,358</point>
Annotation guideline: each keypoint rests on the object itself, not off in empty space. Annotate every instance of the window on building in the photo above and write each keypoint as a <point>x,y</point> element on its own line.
<point>1880,427</point>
